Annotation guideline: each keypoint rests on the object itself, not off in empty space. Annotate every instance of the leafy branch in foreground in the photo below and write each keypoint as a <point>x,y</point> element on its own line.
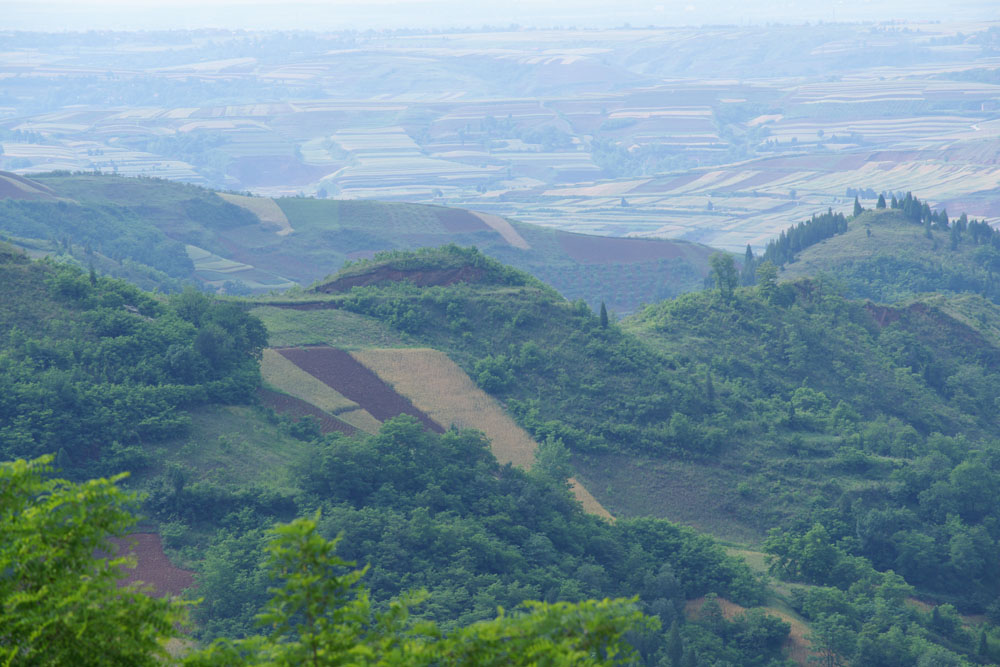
<point>59,604</point>
<point>323,616</point>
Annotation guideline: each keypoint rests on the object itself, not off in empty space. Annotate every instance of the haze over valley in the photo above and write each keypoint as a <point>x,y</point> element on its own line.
<point>719,135</point>
<point>421,333</point>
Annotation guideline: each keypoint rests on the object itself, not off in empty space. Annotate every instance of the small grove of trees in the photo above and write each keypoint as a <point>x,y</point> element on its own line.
<point>820,227</point>
<point>61,604</point>
<point>724,274</point>
<point>783,250</point>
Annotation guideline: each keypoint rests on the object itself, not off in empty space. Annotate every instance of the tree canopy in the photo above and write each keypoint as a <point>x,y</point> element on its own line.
<point>59,603</point>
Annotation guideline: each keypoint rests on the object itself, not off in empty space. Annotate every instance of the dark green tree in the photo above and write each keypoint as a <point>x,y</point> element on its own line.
<point>59,604</point>
<point>675,647</point>
<point>857,207</point>
<point>747,275</point>
<point>767,280</point>
<point>880,204</point>
<point>604,316</point>
<point>724,274</point>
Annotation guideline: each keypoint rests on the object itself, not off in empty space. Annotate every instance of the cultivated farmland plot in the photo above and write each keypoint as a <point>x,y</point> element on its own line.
<point>442,390</point>
<point>284,375</point>
<point>344,374</point>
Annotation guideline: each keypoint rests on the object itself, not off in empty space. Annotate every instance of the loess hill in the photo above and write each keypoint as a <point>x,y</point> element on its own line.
<point>784,415</point>
<point>856,442</point>
<point>159,234</point>
<point>883,256</point>
<point>114,379</point>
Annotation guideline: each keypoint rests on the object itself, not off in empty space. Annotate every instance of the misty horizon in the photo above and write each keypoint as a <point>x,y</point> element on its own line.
<point>60,16</point>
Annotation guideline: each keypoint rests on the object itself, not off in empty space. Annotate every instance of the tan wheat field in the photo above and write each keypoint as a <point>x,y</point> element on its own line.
<point>360,419</point>
<point>264,208</point>
<point>438,387</point>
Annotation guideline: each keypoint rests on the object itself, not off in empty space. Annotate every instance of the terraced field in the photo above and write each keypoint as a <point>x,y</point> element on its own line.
<point>307,395</point>
<point>686,124</point>
<point>344,374</point>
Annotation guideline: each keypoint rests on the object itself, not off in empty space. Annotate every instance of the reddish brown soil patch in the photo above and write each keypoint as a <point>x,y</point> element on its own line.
<point>276,170</point>
<point>342,372</point>
<point>900,156</point>
<point>9,188</point>
<point>603,249</point>
<point>153,567</point>
<point>27,181</point>
<point>755,181</point>
<point>665,184</point>
<point>985,203</point>
<point>465,274</point>
<point>296,407</point>
<point>883,315</point>
<point>458,221</point>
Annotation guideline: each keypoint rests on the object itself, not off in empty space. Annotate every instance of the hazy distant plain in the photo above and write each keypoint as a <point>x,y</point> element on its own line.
<point>723,135</point>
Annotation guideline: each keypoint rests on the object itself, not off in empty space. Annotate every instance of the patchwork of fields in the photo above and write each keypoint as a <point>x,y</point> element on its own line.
<point>368,386</point>
<point>665,132</point>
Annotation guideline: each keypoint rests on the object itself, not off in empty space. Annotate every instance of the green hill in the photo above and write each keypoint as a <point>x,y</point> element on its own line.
<point>94,367</point>
<point>704,385</point>
<point>158,233</point>
<point>781,409</point>
<point>885,257</point>
<point>856,443</point>
<point>112,378</point>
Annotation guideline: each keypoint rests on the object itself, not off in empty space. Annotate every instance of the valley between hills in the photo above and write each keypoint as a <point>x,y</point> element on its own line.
<point>796,457</point>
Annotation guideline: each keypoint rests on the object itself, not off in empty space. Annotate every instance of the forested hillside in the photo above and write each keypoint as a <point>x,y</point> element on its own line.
<point>92,368</point>
<point>111,378</point>
<point>804,411</point>
<point>856,443</point>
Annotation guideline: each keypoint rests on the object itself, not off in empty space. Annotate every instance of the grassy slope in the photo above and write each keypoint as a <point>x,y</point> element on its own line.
<point>339,328</point>
<point>330,232</point>
<point>231,445</point>
<point>893,264</point>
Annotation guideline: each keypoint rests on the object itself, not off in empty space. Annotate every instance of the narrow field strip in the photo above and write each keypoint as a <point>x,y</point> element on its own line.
<point>504,228</point>
<point>360,419</point>
<point>285,376</point>
<point>341,372</point>
<point>296,407</point>
<point>590,504</point>
<point>265,208</point>
<point>797,647</point>
<point>439,387</point>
